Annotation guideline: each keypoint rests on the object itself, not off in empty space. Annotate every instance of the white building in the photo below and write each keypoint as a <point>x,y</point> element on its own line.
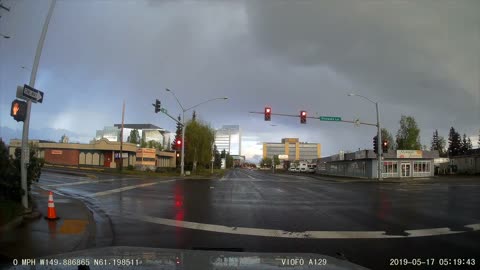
<point>229,138</point>
<point>147,132</point>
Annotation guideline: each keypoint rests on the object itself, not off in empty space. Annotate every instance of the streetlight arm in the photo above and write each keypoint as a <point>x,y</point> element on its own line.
<point>365,98</point>
<point>185,110</point>
<point>178,101</point>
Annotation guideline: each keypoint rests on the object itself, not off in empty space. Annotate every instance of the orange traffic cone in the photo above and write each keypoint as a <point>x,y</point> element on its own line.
<point>52,215</point>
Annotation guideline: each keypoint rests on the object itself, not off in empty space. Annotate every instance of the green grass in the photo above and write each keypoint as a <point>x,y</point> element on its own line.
<point>9,210</point>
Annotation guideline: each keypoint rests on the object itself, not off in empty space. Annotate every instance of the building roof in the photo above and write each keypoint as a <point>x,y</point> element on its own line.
<point>140,126</point>
<point>102,144</point>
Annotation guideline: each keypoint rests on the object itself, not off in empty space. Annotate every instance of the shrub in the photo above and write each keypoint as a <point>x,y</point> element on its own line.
<point>10,174</point>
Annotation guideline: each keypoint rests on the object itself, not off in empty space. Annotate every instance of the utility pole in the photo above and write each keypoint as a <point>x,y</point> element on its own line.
<point>25,155</point>
<point>121,137</point>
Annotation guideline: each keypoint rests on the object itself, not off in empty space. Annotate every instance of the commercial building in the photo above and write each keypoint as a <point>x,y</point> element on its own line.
<point>229,138</point>
<point>469,163</point>
<point>147,132</point>
<point>99,153</point>
<point>363,164</point>
<point>112,134</point>
<point>293,149</point>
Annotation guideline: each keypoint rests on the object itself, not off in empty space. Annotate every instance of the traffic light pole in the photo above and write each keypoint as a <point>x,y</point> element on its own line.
<point>379,152</point>
<point>182,158</point>
<point>25,154</point>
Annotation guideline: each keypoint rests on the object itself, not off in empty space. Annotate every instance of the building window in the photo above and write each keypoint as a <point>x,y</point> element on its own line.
<point>421,168</point>
<point>390,169</point>
<point>139,159</point>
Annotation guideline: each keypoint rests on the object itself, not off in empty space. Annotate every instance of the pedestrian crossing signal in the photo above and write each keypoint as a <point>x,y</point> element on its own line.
<point>19,110</point>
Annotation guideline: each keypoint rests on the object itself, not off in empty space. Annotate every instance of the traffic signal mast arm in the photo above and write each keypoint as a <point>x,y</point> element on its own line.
<point>166,113</point>
<point>313,117</point>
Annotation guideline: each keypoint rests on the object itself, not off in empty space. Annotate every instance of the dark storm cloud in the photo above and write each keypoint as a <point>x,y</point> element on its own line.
<point>419,54</point>
<point>416,57</point>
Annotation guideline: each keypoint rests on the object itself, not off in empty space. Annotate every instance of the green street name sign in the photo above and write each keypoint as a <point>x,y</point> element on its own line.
<point>330,118</point>
<point>163,110</point>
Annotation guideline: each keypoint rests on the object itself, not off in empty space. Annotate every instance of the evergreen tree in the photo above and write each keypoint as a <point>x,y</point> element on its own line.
<point>466,145</point>
<point>434,145</point>
<point>469,144</point>
<point>454,143</point>
<point>478,143</point>
<point>178,134</point>
<point>134,137</point>
<point>217,162</point>
<point>438,144</point>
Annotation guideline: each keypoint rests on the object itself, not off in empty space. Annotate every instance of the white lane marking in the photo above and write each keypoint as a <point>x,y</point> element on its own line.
<point>475,227</point>
<point>288,234</point>
<point>431,232</point>
<point>251,177</point>
<point>80,183</point>
<point>116,190</point>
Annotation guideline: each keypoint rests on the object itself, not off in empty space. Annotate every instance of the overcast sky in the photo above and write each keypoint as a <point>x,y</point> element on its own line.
<point>415,57</point>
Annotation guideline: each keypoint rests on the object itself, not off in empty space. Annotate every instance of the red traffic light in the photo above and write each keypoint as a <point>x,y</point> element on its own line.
<point>385,146</point>
<point>268,113</point>
<point>303,117</point>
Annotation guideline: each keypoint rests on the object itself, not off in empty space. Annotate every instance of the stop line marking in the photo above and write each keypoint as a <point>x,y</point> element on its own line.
<point>289,234</point>
<point>117,190</point>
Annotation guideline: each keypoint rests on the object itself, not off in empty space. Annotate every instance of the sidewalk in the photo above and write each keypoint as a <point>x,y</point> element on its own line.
<point>38,237</point>
<point>348,179</point>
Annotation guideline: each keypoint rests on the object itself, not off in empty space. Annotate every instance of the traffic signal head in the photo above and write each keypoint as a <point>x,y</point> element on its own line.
<point>385,146</point>
<point>268,113</point>
<point>303,117</point>
<point>178,143</point>
<point>18,110</point>
<point>375,144</point>
<point>157,106</point>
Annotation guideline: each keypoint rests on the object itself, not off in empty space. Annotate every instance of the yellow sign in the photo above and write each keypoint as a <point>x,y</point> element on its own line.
<point>409,154</point>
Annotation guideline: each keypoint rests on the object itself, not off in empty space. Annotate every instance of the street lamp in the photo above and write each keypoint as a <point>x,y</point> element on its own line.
<point>182,162</point>
<point>379,136</point>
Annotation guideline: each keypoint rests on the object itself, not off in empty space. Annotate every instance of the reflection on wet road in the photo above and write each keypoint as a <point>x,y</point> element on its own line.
<point>259,211</point>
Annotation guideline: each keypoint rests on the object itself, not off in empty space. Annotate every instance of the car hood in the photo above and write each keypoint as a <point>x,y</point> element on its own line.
<point>160,258</point>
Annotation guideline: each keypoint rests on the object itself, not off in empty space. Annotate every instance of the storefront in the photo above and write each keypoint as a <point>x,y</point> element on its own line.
<point>363,164</point>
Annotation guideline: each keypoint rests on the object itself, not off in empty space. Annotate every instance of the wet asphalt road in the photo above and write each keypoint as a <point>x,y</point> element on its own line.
<point>227,213</point>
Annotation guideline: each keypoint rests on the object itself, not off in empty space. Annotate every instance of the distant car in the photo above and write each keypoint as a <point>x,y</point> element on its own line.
<point>311,168</point>
<point>297,169</point>
<point>291,169</point>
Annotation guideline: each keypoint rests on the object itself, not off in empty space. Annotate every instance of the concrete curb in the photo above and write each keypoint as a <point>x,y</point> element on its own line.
<point>67,172</point>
